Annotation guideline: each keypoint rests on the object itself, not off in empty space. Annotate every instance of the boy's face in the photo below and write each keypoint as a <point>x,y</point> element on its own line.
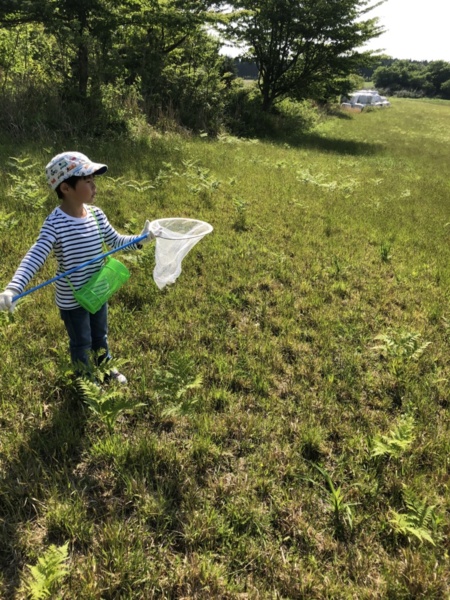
<point>84,191</point>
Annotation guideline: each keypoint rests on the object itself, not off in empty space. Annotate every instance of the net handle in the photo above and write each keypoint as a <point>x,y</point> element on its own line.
<point>70,271</point>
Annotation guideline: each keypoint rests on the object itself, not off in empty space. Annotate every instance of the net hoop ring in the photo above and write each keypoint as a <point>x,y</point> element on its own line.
<point>168,223</point>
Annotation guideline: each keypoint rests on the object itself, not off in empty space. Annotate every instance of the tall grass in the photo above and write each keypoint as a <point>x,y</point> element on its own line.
<point>264,457</point>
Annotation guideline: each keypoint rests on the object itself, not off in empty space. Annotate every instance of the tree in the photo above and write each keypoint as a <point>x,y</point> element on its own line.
<point>438,72</point>
<point>150,31</point>
<point>445,89</point>
<point>401,75</point>
<point>76,25</point>
<point>416,77</point>
<point>118,34</point>
<point>110,60</point>
<point>303,49</point>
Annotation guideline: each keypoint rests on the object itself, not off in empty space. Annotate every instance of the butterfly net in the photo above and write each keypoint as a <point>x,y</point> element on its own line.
<point>176,237</point>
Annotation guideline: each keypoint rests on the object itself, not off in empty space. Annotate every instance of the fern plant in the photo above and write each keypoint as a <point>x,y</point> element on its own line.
<point>25,189</point>
<point>98,367</point>
<point>107,405</point>
<point>385,252</point>
<point>240,206</point>
<point>400,350</point>
<point>396,442</point>
<point>173,384</point>
<point>165,174</point>
<point>7,221</point>
<point>420,522</point>
<point>199,180</point>
<point>44,578</point>
<point>139,186</point>
<point>102,368</point>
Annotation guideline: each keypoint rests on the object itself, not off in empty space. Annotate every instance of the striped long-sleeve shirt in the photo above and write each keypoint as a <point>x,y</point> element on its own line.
<point>74,241</point>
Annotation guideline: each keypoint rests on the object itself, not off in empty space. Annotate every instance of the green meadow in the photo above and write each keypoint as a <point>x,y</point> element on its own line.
<point>285,430</point>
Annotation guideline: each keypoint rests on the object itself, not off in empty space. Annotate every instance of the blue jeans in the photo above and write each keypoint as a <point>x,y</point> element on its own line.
<point>87,333</point>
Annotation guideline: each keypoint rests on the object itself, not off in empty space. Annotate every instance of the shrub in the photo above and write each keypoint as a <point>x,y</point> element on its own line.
<point>245,117</point>
<point>409,94</point>
<point>445,89</point>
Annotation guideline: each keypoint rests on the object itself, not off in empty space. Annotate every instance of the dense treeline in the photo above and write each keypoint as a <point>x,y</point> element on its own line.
<point>102,64</point>
<point>414,78</point>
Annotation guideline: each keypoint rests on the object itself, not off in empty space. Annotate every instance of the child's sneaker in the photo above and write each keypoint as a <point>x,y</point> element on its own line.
<point>116,376</point>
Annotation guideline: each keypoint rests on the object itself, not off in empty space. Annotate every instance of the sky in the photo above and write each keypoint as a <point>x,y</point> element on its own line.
<point>415,29</point>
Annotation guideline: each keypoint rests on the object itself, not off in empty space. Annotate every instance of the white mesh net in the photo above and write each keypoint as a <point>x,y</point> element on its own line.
<point>175,238</point>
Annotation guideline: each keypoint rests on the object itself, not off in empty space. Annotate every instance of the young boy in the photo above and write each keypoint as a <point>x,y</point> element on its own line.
<point>75,231</point>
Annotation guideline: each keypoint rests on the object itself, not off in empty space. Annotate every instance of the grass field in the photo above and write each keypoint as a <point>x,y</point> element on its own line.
<point>285,430</point>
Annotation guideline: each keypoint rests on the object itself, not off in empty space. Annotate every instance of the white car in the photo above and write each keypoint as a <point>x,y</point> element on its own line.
<point>364,98</point>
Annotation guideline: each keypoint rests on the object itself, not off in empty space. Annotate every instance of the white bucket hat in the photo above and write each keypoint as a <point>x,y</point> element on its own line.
<point>65,165</point>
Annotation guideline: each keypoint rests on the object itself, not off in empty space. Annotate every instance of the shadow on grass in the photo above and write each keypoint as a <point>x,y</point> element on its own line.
<point>47,465</point>
<point>299,134</point>
<point>44,460</point>
<point>333,145</point>
<point>149,153</point>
